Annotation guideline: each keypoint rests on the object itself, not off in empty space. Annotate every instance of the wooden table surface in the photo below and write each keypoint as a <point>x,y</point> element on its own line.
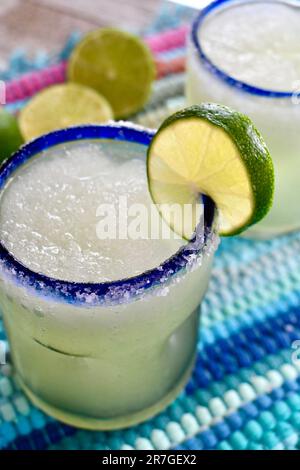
<point>45,24</point>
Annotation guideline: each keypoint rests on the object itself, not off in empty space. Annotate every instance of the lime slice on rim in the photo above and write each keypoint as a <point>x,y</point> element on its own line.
<point>61,106</point>
<point>210,149</point>
<point>116,64</point>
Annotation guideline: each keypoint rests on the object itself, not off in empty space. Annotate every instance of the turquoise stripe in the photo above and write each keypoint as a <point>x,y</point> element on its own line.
<point>172,53</point>
<point>276,427</point>
<point>231,321</point>
<point>239,250</point>
<point>16,106</point>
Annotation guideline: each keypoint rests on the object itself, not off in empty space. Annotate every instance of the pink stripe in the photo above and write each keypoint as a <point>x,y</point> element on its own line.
<point>32,82</point>
<point>168,40</point>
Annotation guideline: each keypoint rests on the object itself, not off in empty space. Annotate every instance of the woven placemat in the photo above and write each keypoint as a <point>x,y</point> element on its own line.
<point>244,392</point>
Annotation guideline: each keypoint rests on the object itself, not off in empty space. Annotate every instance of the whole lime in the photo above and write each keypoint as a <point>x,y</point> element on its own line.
<point>10,136</point>
<point>118,65</point>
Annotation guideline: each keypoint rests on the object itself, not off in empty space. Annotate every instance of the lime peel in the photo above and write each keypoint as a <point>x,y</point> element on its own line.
<point>10,135</point>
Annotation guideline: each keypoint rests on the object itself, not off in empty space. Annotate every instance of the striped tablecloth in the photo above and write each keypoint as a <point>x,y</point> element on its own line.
<point>244,392</point>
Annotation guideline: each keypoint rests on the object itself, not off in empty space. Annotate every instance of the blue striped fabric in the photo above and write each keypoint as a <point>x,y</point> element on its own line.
<point>244,392</point>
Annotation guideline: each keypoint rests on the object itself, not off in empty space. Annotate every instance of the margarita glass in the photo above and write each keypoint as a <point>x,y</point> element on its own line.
<point>245,54</point>
<point>98,355</point>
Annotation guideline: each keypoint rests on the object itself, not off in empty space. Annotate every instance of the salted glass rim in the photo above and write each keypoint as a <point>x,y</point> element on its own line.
<point>116,291</point>
<point>217,71</point>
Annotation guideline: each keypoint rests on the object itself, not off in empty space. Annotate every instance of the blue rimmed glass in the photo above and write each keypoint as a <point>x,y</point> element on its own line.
<point>111,354</point>
<point>275,113</point>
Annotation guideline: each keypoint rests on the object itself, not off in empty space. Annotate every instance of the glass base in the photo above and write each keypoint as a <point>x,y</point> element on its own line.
<point>96,424</point>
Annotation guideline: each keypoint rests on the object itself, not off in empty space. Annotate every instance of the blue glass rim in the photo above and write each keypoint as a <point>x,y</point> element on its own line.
<point>104,292</point>
<point>233,82</point>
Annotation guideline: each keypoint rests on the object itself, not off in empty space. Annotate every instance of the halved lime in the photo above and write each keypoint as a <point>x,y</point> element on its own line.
<point>116,64</point>
<point>60,106</point>
<point>213,150</point>
<point>10,136</point>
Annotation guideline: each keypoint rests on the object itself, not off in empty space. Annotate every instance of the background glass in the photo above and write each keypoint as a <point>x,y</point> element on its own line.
<point>275,114</point>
